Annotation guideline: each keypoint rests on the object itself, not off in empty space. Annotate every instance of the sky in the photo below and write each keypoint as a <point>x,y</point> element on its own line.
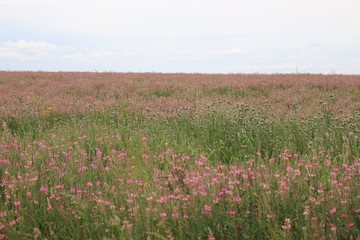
<point>190,36</point>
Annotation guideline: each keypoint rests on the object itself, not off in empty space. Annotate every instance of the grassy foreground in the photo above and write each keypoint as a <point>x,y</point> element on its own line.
<point>162,157</point>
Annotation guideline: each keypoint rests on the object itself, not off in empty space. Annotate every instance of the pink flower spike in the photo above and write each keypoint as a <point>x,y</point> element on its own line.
<point>286,227</point>
<point>232,213</point>
<point>207,208</point>
<point>289,169</point>
<point>43,189</point>
<point>17,204</point>
<point>332,211</point>
<point>237,199</point>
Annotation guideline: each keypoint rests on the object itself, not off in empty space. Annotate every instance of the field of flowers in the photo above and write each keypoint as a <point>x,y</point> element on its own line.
<point>179,156</point>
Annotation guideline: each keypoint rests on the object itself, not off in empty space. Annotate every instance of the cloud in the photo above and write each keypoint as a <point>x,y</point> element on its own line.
<point>262,57</point>
<point>305,56</point>
<point>26,50</point>
<point>354,60</point>
<point>269,67</point>
<point>96,55</point>
<point>184,52</point>
<point>282,66</point>
<point>21,2</point>
<point>315,44</point>
<point>234,51</point>
<point>330,65</point>
<point>286,67</point>
<point>107,54</point>
<point>77,57</point>
<point>248,67</point>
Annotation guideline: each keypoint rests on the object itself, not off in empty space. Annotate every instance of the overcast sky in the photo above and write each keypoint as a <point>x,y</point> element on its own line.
<point>207,36</point>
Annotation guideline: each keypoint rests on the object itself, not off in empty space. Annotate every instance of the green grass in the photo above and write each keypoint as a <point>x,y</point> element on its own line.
<point>228,136</point>
<point>158,93</point>
<point>224,134</point>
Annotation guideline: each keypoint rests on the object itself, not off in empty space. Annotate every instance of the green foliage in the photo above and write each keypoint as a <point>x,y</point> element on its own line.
<point>85,148</point>
<point>226,134</point>
<point>158,93</point>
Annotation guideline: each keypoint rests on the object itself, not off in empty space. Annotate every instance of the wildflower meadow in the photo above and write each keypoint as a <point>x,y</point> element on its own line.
<point>179,156</point>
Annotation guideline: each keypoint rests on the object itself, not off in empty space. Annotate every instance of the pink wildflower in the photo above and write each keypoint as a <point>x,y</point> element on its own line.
<point>237,199</point>
<point>127,224</point>
<point>332,211</point>
<point>207,209</point>
<point>289,169</point>
<point>211,236</point>
<point>287,224</point>
<point>232,213</point>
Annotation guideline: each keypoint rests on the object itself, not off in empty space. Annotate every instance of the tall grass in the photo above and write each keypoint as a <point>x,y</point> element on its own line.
<point>224,133</point>
<point>211,170</point>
